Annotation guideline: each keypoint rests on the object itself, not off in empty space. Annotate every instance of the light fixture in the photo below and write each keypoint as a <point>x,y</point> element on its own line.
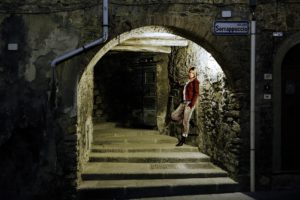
<point>252,5</point>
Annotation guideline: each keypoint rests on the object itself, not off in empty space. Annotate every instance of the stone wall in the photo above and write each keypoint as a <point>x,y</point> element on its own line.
<point>39,146</point>
<point>162,91</point>
<point>217,116</point>
<point>221,120</point>
<point>84,116</point>
<point>272,17</point>
<point>45,29</point>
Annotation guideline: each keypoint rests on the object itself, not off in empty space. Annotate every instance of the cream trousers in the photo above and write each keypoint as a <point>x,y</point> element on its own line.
<point>183,114</point>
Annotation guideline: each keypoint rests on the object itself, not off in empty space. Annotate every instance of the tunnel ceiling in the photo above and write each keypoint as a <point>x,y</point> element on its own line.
<point>152,42</point>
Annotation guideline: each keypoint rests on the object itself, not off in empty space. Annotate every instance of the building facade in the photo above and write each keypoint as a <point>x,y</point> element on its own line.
<point>47,114</point>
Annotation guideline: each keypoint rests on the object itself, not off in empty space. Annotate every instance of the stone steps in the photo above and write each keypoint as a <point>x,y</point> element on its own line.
<point>148,157</point>
<point>118,141</point>
<point>123,132</point>
<point>122,148</point>
<point>110,171</point>
<point>130,163</point>
<point>133,139</point>
<point>138,188</point>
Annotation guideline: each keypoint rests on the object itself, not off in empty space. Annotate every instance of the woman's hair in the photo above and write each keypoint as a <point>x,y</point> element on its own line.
<point>194,70</point>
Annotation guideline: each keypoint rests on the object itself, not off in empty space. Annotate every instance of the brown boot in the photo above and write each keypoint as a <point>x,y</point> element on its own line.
<point>181,142</point>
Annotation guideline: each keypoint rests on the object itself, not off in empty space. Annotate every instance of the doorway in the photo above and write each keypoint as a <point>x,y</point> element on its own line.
<point>144,90</point>
<point>125,88</point>
<point>290,109</point>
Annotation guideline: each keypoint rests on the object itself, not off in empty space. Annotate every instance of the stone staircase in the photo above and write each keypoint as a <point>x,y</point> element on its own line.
<point>134,163</point>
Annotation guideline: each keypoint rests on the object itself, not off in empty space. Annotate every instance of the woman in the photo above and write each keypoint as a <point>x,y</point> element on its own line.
<point>185,109</point>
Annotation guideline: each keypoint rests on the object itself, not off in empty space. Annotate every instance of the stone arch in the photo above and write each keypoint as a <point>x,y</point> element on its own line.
<point>226,50</point>
<point>86,81</point>
<point>203,38</point>
<point>287,44</point>
<point>199,39</point>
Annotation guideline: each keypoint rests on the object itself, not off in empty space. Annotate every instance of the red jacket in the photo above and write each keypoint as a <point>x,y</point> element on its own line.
<point>192,92</point>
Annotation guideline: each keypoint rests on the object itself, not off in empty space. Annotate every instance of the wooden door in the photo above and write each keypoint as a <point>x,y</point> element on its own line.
<point>144,90</point>
<point>149,96</point>
<point>290,132</point>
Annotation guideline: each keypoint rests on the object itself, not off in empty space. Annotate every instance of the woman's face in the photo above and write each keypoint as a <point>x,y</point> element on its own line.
<point>191,74</point>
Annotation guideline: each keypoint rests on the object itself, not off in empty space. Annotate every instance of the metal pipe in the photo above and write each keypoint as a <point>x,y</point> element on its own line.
<point>252,6</point>
<point>89,45</point>
<point>79,50</point>
<point>252,108</point>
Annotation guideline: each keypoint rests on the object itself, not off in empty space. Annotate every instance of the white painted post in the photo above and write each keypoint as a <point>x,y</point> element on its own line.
<point>252,108</point>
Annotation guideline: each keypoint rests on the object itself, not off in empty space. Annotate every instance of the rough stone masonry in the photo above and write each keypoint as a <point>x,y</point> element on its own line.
<point>42,150</point>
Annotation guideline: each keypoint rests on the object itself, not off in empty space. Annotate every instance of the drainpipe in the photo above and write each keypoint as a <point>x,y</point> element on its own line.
<point>252,4</point>
<point>84,48</point>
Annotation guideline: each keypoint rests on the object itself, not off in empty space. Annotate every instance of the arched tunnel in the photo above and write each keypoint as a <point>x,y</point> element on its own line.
<point>136,83</point>
<point>139,88</point>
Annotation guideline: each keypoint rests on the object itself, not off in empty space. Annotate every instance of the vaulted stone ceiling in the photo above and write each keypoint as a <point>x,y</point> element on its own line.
<point>152,42</point>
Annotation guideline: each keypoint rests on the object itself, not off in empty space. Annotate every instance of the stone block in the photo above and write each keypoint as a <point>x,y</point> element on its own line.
<point>232,113</point>
<point>236,127</point>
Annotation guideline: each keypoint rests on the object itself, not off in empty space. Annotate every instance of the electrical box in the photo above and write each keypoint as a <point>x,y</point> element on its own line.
<point>267,96</point>
<point>12,47</point>
<point>268,76</point>
<point>277,34</point>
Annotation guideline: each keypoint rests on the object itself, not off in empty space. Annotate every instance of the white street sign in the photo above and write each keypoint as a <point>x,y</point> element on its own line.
<point>231,28</point>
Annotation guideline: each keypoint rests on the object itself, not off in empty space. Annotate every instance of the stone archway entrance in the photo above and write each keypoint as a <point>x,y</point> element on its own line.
<point>125,89</point>
<point>290,108</point>
<point>218,115</point>
<point>286,94</point>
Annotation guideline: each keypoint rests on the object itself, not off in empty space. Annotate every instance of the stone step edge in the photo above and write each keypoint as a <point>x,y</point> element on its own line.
<point>152,176</point>
<point>94,171</point>
<point>139,191</point>
<point>125,167</point>
<point>152,166</point>
<point>127,132</point>
<point>134,142</point>
<point>154,170</point>
<point>114,149</point>
<point>146,158</point>
<point>151,154</point>
<point>146,183</point>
